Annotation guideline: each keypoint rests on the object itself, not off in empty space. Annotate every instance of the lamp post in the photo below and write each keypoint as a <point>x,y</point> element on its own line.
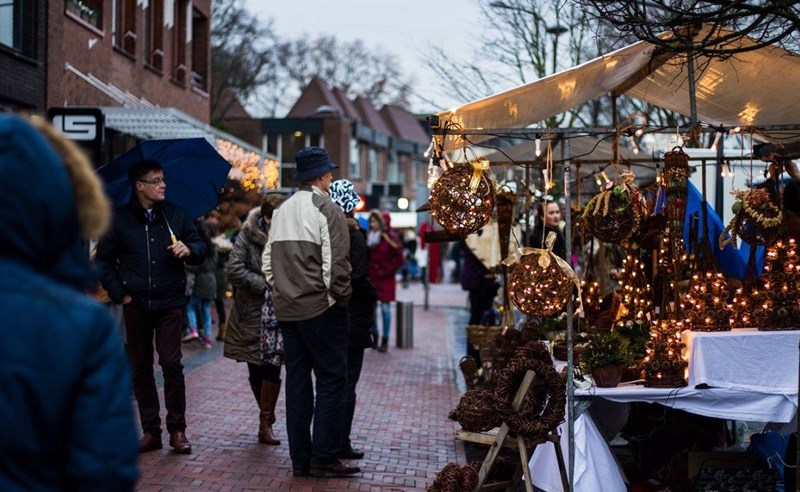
<point>556,30</point>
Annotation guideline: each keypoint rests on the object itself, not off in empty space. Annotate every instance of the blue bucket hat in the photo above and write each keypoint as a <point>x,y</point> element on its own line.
<point>343,193</point>
<point>312,162</point>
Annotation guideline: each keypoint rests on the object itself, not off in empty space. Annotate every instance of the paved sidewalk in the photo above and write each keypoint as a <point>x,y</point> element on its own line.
<point>401,418</point>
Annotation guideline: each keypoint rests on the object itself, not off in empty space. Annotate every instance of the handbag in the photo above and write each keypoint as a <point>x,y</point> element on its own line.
<point>270,335</point>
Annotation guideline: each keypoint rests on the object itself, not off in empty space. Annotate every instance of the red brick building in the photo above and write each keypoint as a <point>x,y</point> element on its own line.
<point>380,151</point>
<point>132,53</point>
<point>23,55</point>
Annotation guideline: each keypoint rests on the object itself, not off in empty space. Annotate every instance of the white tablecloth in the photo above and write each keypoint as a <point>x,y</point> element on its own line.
<point>710,402</point>
<point>744,359</point>
<point>595,467</point>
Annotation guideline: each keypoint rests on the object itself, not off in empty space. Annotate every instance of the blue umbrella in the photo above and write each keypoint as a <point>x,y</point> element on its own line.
<point>193,171</point>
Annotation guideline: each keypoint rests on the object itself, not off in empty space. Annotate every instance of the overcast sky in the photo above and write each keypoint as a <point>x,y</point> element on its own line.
<point>403,27</point>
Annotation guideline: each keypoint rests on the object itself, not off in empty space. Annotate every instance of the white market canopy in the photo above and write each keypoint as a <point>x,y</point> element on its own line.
<point>755,88</point>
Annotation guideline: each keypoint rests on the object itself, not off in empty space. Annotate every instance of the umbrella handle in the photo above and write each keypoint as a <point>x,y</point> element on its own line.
<point>171,233</point>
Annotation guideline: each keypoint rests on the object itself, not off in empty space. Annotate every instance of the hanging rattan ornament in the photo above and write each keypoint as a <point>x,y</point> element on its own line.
<point>539,281</point>
<point>462,198</point>
<point>757,219</point>
<point>676,181</point>
<point>613,215</point>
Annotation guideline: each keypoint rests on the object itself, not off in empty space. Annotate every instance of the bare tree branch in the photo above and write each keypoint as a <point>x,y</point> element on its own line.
<point>725,23</point>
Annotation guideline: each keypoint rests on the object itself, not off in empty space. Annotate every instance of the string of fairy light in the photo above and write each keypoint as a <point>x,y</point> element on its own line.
<point>255,172</point>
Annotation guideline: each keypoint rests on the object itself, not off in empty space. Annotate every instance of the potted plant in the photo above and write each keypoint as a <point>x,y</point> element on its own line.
<point>606,356</point>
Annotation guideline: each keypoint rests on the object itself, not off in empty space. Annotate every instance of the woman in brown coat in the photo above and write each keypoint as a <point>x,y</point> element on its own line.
<point>243,337</point>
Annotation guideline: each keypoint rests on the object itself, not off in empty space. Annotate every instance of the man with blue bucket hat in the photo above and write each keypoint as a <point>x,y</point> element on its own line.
<point>306,260</point>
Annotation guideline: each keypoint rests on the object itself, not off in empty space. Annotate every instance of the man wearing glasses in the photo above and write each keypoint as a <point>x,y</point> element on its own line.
<point>142,264</point>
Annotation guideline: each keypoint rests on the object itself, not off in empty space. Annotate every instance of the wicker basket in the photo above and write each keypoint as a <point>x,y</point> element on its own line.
<point>560,353</point>
<point>481,336</point>
<point>670,378</point>
<point>607,376</point>
<point>753,232</point>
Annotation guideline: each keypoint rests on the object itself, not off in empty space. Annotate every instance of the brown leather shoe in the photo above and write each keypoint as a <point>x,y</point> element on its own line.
<point>179,443</point>
<point>300,472</point>
<point>337,469</point>
<point>348,453</point>
<point>149,442</point>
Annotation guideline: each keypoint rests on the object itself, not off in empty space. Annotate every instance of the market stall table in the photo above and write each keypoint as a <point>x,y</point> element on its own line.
<point>757,374</point>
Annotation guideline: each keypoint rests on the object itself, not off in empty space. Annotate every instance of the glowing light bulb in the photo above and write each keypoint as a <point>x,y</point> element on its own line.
<point>538,144</point>
<point>717,136</point>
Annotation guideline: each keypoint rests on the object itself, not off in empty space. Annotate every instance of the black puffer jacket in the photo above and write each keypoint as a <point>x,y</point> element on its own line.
<point>134,259</point>
<point>364,298</point>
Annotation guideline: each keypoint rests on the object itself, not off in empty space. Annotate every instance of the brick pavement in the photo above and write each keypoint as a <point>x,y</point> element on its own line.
<point>401,418</point>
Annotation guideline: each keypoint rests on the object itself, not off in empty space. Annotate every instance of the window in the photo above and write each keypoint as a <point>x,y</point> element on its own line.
<point>272,144</point>
<point>155,34</point>
<point>17,26</point>
<point>180,71</point>
<point>393,171</point>
<point>373,164</point>
<point>291,144</point>
<point>199,46</point>
<point>125,26</point>
<point>355,160</point>
<point>89,11</point>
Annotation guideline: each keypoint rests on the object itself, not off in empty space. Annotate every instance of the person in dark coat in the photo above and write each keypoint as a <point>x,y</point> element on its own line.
<point>65,412</point>
<point>362,307</point>
<point>548,217</point>
<point>143,269</point>
<point>243,337</point>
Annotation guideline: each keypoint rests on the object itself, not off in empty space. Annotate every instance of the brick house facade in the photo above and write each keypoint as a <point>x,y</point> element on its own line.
<point>23,55</point>
<point>109,52</point>
<point>380,151</point>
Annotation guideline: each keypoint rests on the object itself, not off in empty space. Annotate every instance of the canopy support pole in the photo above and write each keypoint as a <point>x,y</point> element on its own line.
<point>570,315</point>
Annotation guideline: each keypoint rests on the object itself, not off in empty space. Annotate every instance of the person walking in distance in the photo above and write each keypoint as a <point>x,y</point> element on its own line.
<point>385,258</point>
<point>198,310</point>
<point>66,419</point>
<point>243,340</point>
<point>143,269</point>
<point>306,261</point>
<point>362,307</point>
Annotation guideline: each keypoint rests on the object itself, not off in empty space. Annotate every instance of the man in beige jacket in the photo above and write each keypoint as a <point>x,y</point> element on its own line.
<point>306,260</point>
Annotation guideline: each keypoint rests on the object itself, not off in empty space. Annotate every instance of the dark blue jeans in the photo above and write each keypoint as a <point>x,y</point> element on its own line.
<point>319,345</point>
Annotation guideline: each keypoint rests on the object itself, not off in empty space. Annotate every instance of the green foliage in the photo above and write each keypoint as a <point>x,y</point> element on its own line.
<point>604,349</point>
<point>637,334</point>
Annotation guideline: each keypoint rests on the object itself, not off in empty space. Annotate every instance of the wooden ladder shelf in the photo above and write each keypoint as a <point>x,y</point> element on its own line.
<point>524,448</point>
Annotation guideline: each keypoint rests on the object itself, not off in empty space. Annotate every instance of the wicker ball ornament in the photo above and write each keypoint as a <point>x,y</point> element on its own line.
<point>454,205</point>
<point>476,411</point>
<point>612,216</point>
<point>757,219</point>
<point>536,290</point>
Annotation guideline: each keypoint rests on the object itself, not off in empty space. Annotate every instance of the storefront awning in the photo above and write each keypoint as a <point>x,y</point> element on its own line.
<point>251,166</point>
<point>163,123</point>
